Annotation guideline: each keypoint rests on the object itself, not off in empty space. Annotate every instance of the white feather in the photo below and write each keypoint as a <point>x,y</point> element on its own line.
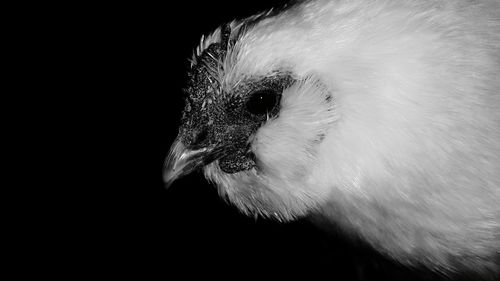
<point>411,157</point>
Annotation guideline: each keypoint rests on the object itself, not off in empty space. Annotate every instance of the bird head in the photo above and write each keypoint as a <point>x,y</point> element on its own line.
<point>252,122</point>
<point>381,117</point>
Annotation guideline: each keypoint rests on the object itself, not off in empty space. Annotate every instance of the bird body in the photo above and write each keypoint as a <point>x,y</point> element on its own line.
<point>387,123</point>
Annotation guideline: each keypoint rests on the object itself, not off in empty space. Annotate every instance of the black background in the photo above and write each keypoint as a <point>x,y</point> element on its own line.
<point>141,56</point>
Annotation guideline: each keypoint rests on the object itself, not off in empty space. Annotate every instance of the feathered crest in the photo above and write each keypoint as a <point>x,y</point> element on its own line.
<point>209,60</point>
<point>203,77</point>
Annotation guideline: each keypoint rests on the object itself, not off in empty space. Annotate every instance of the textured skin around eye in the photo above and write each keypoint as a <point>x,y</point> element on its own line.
<point>262,102</point>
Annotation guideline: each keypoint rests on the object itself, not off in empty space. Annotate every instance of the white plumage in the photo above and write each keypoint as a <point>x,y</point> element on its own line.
<point>390,130</point>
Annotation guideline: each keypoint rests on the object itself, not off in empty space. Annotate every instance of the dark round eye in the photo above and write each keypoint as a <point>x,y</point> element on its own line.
<point>261,102</point>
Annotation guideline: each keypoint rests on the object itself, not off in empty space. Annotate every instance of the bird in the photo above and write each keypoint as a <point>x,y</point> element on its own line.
<point>377,117</point>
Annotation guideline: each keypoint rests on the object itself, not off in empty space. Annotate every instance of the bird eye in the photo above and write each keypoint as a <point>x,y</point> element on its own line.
<point>261,102</point>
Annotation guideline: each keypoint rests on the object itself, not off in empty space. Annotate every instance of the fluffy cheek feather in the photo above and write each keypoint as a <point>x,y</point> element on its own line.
<point>286,149</point>
<point>411,149</point>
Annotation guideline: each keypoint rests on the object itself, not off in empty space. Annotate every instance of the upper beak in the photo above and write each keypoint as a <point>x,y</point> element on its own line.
<point>182,161</point>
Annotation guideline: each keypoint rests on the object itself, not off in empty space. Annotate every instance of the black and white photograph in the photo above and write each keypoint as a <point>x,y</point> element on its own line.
<point>337,139</point>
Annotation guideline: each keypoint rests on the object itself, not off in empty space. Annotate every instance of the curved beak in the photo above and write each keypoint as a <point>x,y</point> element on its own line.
<point>182,161</point>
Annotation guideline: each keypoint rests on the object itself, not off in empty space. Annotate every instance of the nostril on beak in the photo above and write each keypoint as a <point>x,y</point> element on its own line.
<point>199,137</point>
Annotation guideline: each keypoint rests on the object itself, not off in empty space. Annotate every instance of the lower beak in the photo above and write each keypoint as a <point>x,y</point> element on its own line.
<point>182,161</point>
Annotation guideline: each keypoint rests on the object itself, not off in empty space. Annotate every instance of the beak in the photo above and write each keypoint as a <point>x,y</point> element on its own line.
<point>182,161</point>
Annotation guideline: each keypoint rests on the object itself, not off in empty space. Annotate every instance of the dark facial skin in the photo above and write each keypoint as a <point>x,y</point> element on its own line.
<point>225,119</point>
<point>217,123</point>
